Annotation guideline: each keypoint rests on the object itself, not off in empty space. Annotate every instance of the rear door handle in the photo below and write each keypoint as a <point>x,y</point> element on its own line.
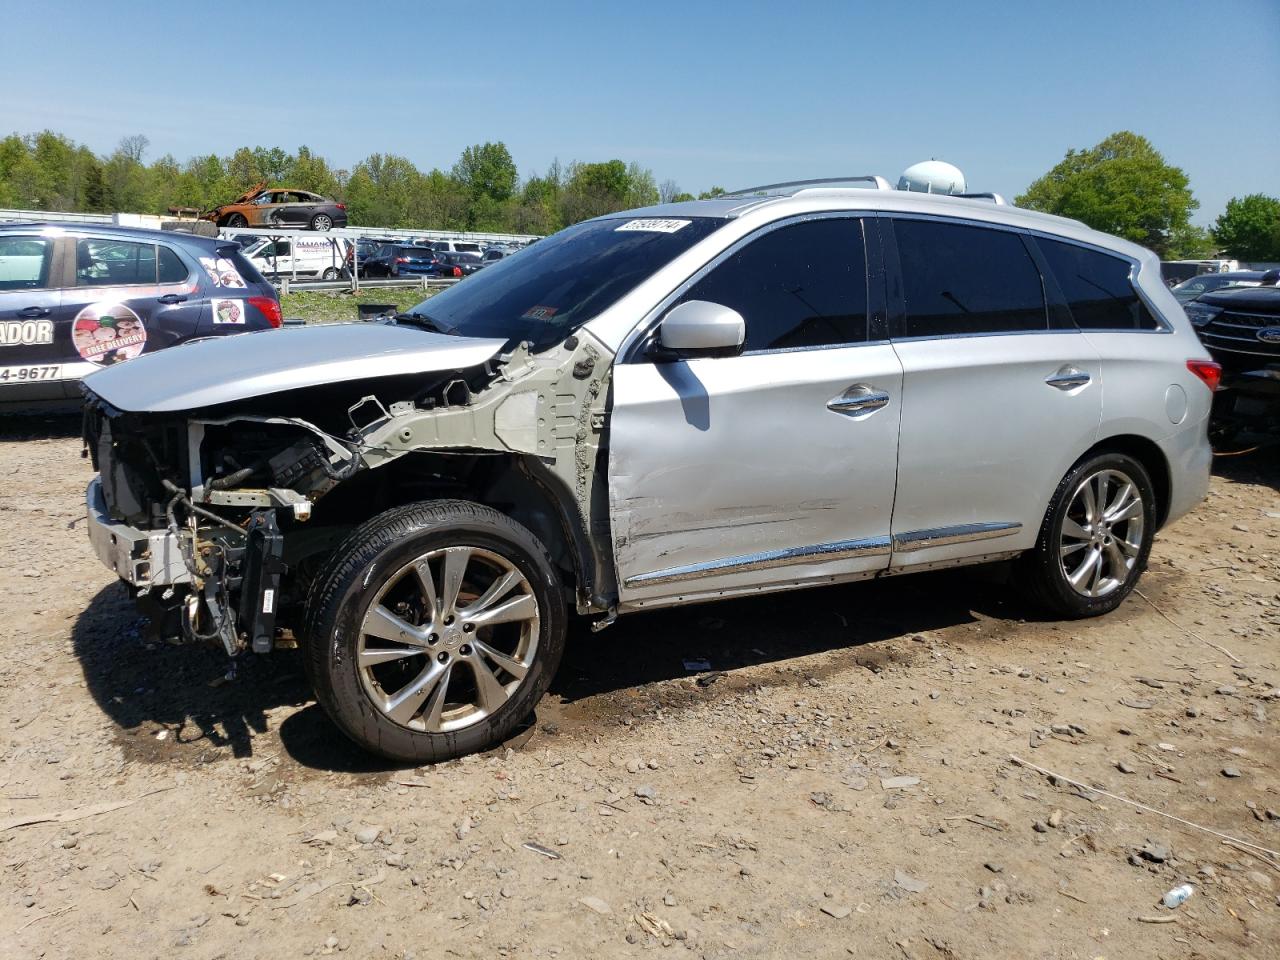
<point>1068,378</point>
<point>859,398</point>
<point>33,313</point>
<point>171,298</point>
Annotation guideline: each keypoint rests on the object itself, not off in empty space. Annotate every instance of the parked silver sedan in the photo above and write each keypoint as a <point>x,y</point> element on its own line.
<point>803,384</point>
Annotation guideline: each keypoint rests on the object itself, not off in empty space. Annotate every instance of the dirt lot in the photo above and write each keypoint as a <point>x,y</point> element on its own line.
<point>839,784</point>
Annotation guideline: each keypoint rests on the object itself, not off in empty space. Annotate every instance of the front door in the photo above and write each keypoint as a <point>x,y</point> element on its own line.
<point>771,468</point>
<point>31,358</point>
<point>1000,392</point>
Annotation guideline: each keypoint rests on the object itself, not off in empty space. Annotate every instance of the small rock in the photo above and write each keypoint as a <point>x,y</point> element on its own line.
<point>1125,767</point>
<point>909,883</point>
<point>368,834</point>
<point>596,905</point>
<point>898,783</point>
<point>1040,827</point>
<point>994,867</point>
<point>1239,528</point>
<point>1055,819</point>
<point>646,792</point>
<point>838,911</point>
<point>1226,690</point>
<point>464,827</point>
<point>1154,852</point>
<point>634,766</point>
<point>1231,772</point>
<point>1166,747</point>
<point>1193,712</point>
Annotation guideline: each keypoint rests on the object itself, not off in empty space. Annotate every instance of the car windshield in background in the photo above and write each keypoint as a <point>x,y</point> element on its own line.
<point>560,283</point>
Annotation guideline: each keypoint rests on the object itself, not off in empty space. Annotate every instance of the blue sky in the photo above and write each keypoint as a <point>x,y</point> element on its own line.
<point>701,93</point>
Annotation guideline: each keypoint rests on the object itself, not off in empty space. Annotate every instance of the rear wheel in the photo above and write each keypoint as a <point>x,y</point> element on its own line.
<point>1095,538</point>
<point>237,220</point>
<point>321,221</point>
<point>330,274</point>
<point>434,630</point>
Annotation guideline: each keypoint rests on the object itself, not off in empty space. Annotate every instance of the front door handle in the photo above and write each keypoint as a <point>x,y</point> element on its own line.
<point>171,298</point>
<point>34,313</point>
<point>859,398</point>
<point>1068,378</point>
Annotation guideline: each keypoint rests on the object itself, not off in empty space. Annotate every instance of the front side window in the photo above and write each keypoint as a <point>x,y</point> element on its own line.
<point>801,285</point>
<point>558,284</point>
<point>1097,288</point>
<point>964,280</point>
<point>109,263</point>
<point>24,262</point>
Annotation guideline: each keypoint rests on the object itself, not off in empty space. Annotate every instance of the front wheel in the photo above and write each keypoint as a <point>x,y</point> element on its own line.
<point>1095,538</point>
<point>434,630</point>
<point>237,220</point>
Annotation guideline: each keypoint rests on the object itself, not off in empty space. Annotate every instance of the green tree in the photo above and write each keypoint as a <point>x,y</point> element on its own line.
<point>1189,243</point>
<point>1121,186</point>
<point>713,192</point>
<point>1249,229</point>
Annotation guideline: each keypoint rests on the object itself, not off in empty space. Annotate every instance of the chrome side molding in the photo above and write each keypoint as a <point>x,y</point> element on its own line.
<point>945,536</point>
<point>839,550</point>
<point>823,552</point>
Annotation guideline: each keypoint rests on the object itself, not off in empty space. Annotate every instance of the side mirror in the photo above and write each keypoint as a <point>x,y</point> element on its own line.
<point>699,328</point>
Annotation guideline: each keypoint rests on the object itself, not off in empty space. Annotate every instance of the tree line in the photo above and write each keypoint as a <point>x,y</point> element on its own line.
<point>482,191</point>
<point>1122,186</point>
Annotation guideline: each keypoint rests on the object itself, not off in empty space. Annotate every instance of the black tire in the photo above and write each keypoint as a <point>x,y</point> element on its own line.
<point>330,273</point>
<point>322,221</point>
<point>236,221</point>
<point>371,565</point>
<point>1043,570</point>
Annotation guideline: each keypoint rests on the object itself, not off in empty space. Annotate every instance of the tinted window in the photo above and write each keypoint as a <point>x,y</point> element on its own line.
<point>560,283</point>
<point>803,285</point>
<point>24,262</point>
<point>959,279</point>
<point>1097,288</point>
<point>105,263</point>
<point>172,269</point>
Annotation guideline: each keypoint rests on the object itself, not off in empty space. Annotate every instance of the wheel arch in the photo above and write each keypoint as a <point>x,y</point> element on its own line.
<point>1148,453</point>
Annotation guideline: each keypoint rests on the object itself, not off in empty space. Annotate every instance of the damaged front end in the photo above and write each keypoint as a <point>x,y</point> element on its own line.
<point>223,491</point>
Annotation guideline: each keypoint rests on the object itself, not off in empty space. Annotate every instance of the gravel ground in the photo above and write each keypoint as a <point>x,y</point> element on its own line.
<point>838,784</point>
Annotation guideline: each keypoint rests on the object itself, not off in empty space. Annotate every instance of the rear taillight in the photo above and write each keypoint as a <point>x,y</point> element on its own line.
<point>1208,371</point>
<point>457,271</point>
<point>270,308</point>
<point>342,206</point>
<point>402,259</point>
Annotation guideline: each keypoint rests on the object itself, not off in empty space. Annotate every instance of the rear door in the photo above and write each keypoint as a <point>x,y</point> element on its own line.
<point>126,297</point>
<point>1000,393</point>
<point>32,356</point>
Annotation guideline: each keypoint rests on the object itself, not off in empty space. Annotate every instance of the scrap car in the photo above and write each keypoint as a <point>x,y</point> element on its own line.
<point>279,207</point>
<point>797,385</point>
<point>75,298</point>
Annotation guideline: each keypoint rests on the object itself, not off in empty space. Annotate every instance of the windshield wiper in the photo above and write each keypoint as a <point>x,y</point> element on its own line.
<point>423,321</point>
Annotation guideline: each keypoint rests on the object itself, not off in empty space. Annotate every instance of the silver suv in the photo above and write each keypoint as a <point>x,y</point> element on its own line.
<point>793,386</point>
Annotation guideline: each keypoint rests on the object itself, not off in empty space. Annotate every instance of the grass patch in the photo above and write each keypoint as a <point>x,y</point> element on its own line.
<point>339,306</point>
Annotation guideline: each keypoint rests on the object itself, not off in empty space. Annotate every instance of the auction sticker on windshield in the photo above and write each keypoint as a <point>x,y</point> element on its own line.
<point>653,225</point>
<point>106,333</point>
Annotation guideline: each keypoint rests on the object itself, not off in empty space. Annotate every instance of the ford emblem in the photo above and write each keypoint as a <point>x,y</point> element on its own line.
<point>1269,334</point>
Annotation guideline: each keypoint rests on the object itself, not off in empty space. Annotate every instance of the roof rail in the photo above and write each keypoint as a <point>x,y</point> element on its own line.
<point>794,186</point>
<point>995,198</point>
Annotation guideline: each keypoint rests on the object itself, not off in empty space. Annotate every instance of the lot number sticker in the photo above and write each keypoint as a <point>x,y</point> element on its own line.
<point>653,225</point>
<point>107,333</point>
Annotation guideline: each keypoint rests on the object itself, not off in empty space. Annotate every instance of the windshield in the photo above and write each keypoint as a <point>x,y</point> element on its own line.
<point>560,283</point>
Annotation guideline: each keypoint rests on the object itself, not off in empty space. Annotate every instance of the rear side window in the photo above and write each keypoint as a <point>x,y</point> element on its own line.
<point>803,285</point>
<point>172,269</point>
<point>964,280</point>
<point>24,263</point>
<point>1096,287</point>
<point>109,263</point>
<point>244,266</point>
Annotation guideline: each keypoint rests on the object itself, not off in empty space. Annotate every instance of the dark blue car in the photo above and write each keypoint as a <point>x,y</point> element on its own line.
<point>78,297</point>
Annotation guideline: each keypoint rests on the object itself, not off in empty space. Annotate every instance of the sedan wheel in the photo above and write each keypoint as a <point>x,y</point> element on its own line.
<point>321,221</point>
<point>448,639</point>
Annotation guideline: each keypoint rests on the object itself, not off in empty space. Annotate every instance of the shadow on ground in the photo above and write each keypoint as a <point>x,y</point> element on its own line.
<point>140,684</point>
<point>40,426</point>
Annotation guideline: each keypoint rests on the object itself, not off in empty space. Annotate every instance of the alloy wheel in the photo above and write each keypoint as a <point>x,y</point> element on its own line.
<point>1101,534</point>
<point>448,639</point>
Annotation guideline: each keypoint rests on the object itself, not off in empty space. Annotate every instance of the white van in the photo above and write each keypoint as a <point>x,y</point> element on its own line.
<point>455,246</point>
<point>318,257</point>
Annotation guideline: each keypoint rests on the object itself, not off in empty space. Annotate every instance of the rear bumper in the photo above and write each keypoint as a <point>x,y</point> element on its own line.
<point>1190,461</point>
<point>143,558</point>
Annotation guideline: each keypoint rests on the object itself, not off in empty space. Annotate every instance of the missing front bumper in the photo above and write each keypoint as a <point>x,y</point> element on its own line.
<point>143,558</point>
